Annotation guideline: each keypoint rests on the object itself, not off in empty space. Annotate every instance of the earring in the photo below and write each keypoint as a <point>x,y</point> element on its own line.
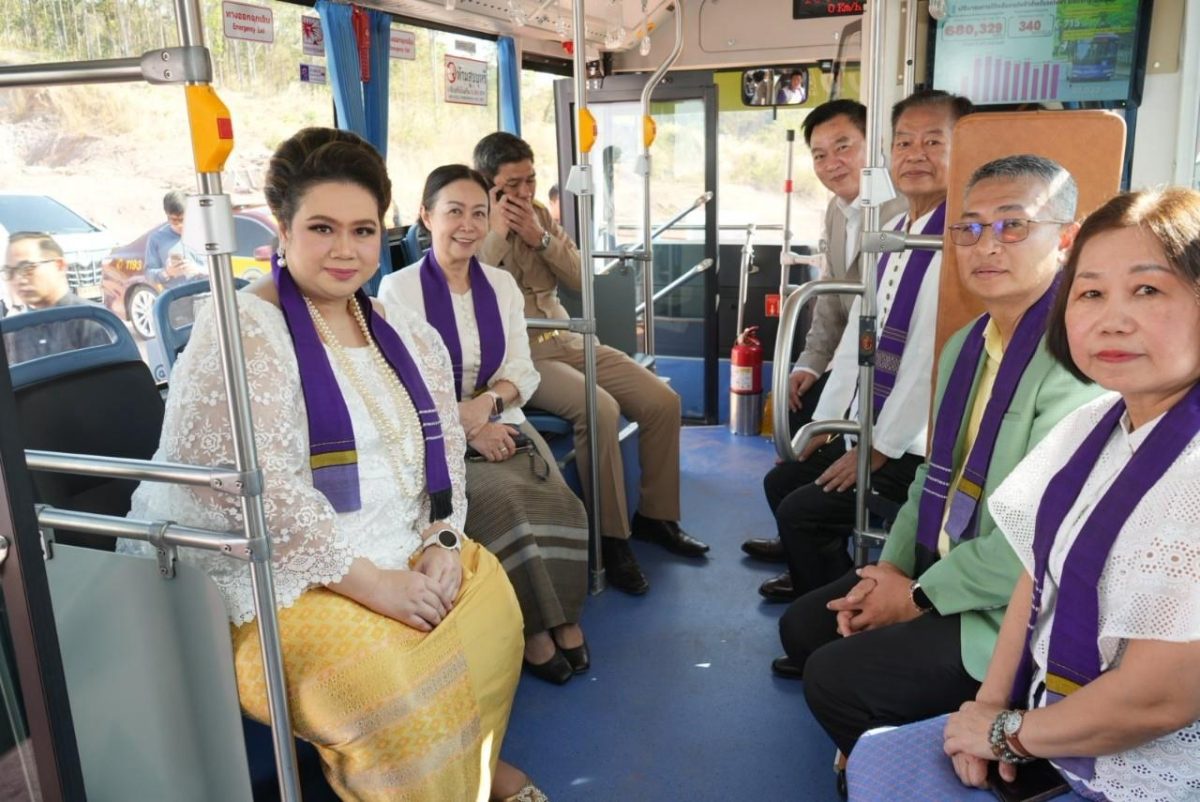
<point>280,258</point>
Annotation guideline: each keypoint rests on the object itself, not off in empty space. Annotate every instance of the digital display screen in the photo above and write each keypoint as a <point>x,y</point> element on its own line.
<point>1035,51</point>
<point>812,9</point>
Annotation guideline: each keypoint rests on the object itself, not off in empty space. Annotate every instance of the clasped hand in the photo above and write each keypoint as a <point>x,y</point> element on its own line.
<point>967,740</point>
<point>422,597</point>
<point>494,441</point>
<point>879,599</point>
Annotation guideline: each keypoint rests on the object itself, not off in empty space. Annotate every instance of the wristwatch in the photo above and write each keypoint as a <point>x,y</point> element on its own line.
<point>1003,738</point>
<point>497,402</point>
<point>443,538</point>
<point>920,598</point>
<point>545,242</point>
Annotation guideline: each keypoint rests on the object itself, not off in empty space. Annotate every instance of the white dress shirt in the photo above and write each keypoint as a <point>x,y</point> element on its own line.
<point>902,425</point>
<point>404,288</point>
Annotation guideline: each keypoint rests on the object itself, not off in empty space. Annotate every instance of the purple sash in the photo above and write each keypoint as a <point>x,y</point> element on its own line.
<point>1074,656</point>
<point>962,521</point>
<point>332,452</point>
<point>439,311</point>
<point>892,338</point>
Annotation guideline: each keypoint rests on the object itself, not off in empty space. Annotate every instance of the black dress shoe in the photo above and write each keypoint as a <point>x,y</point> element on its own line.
<point>785,668</point>
<point>557,669</point>
<point>778,589</point>
<point>668,535</point>
<point>621,567</point>
<point>579,657</point>
<point>767,549</point>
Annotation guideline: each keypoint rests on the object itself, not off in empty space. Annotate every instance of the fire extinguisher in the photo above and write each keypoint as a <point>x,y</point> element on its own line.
<point>745,384</point>
<point>746,360</point>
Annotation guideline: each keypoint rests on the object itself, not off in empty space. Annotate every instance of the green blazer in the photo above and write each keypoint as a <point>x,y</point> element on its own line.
<point>976,578</point>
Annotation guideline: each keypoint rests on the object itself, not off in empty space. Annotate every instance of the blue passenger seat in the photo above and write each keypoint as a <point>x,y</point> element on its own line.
<point>98,400</point>
<point>175,312</point>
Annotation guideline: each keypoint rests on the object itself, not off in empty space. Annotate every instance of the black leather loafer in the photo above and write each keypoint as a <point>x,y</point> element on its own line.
<point>784,668</point>
<point>621,568</point>
<point>557,669</point>
<point>778,589</point>
<point>668,535</point>
<point>579,657</point>
<point>766,549</point>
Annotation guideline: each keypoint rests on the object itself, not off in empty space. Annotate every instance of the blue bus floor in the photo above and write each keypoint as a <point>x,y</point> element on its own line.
<point>680,702</point>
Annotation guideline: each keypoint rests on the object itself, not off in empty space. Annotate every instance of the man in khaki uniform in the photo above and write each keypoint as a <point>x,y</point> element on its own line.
<point>525,241</point>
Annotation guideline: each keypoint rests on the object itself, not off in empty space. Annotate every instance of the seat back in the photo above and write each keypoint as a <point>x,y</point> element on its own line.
<point>1089,144</point>
<point>97,400</point>
<point>150,679</point>
<point>175,312</point>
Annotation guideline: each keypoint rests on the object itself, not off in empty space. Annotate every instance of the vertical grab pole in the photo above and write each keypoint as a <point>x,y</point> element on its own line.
<point>873,47</point>
<point>233,363</point>
<point>649,131</point>
<point>785,262</point>
<point>580,183</point>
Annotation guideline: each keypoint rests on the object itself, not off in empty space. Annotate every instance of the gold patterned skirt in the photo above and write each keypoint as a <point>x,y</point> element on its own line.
<point>396,713</point>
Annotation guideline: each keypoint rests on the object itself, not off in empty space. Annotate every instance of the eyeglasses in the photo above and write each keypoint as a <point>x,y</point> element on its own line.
<point>23,268</point>
<point>1007,230</point>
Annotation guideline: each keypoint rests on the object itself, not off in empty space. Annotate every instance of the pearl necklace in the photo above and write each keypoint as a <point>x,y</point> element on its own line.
<point>406,459</point>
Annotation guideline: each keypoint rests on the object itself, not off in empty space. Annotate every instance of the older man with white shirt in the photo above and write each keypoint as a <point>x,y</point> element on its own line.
<point>813,498</point>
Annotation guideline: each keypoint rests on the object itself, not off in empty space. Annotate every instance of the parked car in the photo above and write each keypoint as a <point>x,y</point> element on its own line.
<point>129,292</point>
<point>84,243</point>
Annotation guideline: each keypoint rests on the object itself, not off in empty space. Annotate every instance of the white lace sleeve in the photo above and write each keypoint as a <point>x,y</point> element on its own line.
<point>433,359</point>
<point>306,547</point>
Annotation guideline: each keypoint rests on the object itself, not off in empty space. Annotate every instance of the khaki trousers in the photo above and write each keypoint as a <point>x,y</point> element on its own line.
<point>623,386</point>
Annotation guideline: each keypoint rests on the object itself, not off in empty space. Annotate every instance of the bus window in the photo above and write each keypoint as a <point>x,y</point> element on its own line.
<point>425,127</point>
<point>538,126</point>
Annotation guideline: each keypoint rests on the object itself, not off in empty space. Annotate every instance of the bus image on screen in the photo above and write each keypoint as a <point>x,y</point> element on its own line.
<point>1095,59</point>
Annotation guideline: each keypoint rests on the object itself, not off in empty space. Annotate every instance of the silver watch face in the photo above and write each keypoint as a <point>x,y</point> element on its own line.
<point>1012,722</point>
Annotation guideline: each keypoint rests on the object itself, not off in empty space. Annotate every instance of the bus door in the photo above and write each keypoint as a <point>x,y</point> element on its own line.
<point>683,169</point>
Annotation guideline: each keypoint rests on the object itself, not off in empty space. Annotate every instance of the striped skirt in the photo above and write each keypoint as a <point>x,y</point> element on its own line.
<point>397,714</point>
<point>524,513</point>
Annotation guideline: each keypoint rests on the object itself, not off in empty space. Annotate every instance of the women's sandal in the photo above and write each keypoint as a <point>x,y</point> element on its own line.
<point>530,793</point>
<point>579,658</point>
<point>558,669</point>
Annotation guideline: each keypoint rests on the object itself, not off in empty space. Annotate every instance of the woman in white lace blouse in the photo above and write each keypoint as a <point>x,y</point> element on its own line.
<point>401,638</point>
<point>1097,667</point>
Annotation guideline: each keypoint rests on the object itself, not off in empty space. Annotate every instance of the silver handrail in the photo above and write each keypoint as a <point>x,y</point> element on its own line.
<point>684,278</point>
<point>644,166</point>
<point>786,447</point>
<point>225,479</point>
<point>581,180</point>
<point>744,278</point>
<point>233,545</point>
<point>639,249</point>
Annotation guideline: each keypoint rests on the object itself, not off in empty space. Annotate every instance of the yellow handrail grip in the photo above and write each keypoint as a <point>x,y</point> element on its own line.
<point>587,130</point>
<point>212,128</point>
<point>649,131</point>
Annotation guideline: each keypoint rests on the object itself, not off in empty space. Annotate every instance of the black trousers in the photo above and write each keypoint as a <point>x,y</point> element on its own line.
<point>814,525</point>
<point>808,405</point>
<point>890,676</point>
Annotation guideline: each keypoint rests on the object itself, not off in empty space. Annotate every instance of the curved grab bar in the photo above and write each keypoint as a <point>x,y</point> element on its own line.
<point>789,316</point>
<point>644,164</point>
<point>692,272</point>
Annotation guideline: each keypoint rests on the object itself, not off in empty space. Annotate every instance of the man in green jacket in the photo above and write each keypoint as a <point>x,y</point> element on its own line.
<point>910,637</point>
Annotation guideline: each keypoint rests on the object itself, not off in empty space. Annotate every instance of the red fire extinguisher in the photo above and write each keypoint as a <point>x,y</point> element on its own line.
<point>745,376</point>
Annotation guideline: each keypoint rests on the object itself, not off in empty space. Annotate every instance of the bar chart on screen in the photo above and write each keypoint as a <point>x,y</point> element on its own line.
<point>1001,80</point>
